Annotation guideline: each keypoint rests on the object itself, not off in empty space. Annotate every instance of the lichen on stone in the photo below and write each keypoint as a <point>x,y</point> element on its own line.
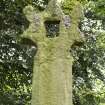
<point>52,71</point>
<point>67,21</point>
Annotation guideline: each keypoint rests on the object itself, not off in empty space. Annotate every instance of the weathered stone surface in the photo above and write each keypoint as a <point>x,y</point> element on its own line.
<point>52,72</point>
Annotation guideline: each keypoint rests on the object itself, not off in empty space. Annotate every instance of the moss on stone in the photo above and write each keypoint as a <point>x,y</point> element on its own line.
<point>52,72</point>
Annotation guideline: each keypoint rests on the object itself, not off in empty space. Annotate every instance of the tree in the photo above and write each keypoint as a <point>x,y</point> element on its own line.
<point>15,58</point>
<point>88,67</point>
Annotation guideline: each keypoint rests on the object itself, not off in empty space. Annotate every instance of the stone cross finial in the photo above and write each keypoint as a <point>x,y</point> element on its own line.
<point>54,33</point>
<point>54,8</point>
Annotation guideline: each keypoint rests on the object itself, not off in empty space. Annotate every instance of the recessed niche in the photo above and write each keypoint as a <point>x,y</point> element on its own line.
<point>52,28</point>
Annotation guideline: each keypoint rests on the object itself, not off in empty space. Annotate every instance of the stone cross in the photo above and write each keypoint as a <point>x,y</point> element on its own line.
<point>54,33</point>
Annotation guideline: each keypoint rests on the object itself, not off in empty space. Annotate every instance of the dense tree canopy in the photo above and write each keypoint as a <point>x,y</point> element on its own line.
<point>88,68</point>
<point>16,57</point>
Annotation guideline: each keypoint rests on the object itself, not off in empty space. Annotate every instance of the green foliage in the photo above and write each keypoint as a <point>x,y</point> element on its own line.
<point>89,63</point>
<point>89,60</point>
<point>100,8</point>
<point>68,6</point>
<point>15,71</point>
<point>101,40</point>
<point>15,59</point>
<point>96,9</point>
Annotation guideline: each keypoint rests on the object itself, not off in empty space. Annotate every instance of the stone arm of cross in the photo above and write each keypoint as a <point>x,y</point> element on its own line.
<point>35,30</point>
<point>74,32</point>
